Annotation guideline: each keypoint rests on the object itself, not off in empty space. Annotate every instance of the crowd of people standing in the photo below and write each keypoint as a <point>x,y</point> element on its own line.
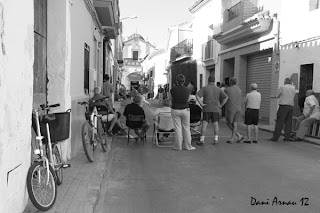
<point>216,101</point>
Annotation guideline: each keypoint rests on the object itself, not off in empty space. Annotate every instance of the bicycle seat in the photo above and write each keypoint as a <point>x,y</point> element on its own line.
<point>48,118</point>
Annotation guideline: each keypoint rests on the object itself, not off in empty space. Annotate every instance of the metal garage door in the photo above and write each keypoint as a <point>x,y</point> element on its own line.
<point>259,71</point>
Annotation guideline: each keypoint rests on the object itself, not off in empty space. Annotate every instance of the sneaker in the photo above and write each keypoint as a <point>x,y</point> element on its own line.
<point>130,136</point>
<point>231,142</point>
<point>254,141</point>
<point>247,141</point>
<point>192,148</point>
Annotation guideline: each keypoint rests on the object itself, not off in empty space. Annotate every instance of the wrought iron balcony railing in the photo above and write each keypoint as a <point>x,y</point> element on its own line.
<point>209,50</point>
<point>181,50</point>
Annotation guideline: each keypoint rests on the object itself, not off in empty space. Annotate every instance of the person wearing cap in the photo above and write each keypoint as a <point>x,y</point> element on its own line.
<point>213,99</point>
<point>252,103</point>
<point>285,95</point>
<point>311,113</point>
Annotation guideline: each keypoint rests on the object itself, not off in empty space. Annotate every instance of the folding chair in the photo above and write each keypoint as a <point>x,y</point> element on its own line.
<point>163,124</point>
<point>135,119</point>
<point>195,119</point>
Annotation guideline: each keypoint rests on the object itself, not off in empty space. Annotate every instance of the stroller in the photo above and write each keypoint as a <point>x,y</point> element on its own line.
<point>195,120</point>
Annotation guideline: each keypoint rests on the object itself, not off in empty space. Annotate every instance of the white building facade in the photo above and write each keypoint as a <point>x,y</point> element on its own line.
<point>42,61</point>
<point>300,46</point>
<point>135,50</point>
<point>154,70</point>
<point>206,17</point>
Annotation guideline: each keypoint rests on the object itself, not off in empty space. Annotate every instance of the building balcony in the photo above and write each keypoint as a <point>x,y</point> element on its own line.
<point>209,51</point>
<point>182,50</point>
<point>235,15</point>
<point>108,14</point>
<point>257,24</point>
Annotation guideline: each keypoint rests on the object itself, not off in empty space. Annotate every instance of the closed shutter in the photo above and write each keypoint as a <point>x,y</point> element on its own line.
<point>259,71</point>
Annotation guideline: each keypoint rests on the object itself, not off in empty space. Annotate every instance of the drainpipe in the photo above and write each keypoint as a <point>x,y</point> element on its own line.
<point>276,25</point>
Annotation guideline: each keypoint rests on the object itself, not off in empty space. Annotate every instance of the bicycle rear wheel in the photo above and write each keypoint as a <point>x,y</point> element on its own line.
<point>102,136</point>
<point>58,165</point>
<point>88,145</point>
<point>42,195</point>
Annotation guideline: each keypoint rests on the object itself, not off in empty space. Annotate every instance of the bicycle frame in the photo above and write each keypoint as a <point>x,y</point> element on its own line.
<point>48,160</point>
<point>39,151</point>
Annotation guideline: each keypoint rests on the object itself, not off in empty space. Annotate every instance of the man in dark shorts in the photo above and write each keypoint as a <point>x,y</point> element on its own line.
<point>252,103</point>
<point>233,109</point>
<point>213,99</point>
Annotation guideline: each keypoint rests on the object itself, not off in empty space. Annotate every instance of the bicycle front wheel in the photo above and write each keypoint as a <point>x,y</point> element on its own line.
<point>42,195</point>
<point>88,145</point>
<point>102,136</point>
<point>58,165</point>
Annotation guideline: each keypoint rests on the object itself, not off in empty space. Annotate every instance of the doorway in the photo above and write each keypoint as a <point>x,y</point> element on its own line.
<point>40,53</point>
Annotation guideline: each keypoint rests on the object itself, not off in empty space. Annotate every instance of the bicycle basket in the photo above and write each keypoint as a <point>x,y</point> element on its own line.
<point>59,128</point>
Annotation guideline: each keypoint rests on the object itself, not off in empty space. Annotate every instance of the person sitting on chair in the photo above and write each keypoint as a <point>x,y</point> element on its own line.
<point>135,109</point>
<point>111,115</point>
<point>311,113</point>
<point>165,109</point>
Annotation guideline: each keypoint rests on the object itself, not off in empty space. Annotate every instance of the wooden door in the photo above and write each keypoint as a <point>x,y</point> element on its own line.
<point>40,53</point>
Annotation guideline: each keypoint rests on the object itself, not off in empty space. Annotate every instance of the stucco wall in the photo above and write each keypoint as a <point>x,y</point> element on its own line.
<point>83,30</point>
<point>297,22</point>
<point>208,14</point>
<point>296,25</point>
<point>16,92</point>
<point>80,34</point>
<point>293,57</point>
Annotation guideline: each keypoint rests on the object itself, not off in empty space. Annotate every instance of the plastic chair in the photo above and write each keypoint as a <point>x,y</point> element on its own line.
<point>132,120</point>
<point>163,124</point>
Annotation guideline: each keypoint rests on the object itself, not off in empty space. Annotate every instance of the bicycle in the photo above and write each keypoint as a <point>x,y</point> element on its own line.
<point>93,130</point>
<point>46,171</point>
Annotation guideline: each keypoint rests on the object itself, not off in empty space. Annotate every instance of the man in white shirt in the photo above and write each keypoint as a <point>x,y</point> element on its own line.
<point>311,113</point>
<point>252,103</point>
<point>285,97</point>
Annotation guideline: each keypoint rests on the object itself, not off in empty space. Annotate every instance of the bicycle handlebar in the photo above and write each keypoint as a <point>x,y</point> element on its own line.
<point>44,106</point>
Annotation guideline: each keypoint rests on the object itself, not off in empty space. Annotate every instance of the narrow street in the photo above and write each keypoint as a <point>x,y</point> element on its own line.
<point>225,178</point>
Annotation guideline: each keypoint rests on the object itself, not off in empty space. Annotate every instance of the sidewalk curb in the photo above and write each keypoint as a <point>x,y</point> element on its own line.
<point>306,140</point>
<point>95,185</point>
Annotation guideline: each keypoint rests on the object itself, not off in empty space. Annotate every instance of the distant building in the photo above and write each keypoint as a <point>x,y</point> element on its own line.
<point>154,70</point>
<point>179,50</point>
<point>135,50</point>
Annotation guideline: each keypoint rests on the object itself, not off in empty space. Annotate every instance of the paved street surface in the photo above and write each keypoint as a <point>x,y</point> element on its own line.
<point>225,178</point>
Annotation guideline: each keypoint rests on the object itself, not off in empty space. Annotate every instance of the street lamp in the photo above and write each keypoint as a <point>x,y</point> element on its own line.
<point>129,17</point>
